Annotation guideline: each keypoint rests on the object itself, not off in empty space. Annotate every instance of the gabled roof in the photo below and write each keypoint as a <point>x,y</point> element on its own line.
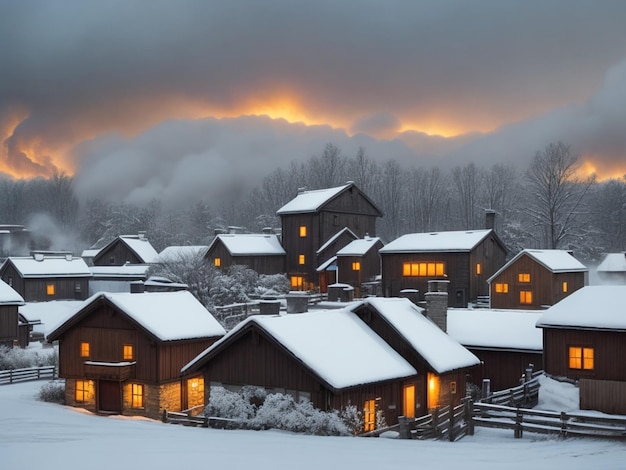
<point>139,245</point>
<point>315,200</point>
<point>330,264</point>
<point>555,261</point>
<point>588,308</point>
<point>358,247</point>
<point>49,266</point>
<point>173,254</point>
<point>500,329</point>
<point>335,345</point>
<point>613,262</point>
<point>8,295</point>
<point>125,271</point>
<point>454,241</point>
<point>332,239</point>
<point>441,352</point>
<point>165,316</point>
<point>250,244</point>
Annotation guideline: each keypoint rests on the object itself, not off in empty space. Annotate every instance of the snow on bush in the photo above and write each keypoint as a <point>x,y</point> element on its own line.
<point>18,358</point>
<point>52,392</point>
<point>256,410</point>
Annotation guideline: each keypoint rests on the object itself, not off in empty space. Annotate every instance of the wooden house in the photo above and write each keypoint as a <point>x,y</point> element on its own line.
<point>10,300</point>
<point>334,358</point>
<point>612,269</point>
<point>359,262</point>
<point>121,353</point>
<point>505,341</point>
<point>584,340</point>
<point>465,258</point>
<point>47,276</point>
<point>116,278</point>
<point>326,257</point>
<point>261,252</point>
<point>126,249</point>
<point>312,219</point>
<point>535,279</point>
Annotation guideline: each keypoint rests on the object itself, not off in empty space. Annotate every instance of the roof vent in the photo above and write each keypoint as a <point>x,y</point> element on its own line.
<point>38,256</point>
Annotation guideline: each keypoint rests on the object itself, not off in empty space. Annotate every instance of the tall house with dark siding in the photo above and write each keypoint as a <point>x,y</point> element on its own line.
<point>313,218</point>
<point>536,279</point>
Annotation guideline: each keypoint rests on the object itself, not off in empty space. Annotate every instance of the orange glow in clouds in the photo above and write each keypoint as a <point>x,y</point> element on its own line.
<point>602,172</point>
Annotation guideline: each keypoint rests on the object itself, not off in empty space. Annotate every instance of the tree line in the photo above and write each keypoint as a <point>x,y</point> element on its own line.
<point>547,205</point>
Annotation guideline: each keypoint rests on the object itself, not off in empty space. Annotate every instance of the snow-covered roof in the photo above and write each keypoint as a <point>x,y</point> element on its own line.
<point>358,247</point>
<point>496,329</point>
<point>90,253</point>
<point>328,264</point>
<point>592,307</point>
<point>613,262</point>
<point>50,266</point>
<point>334,238</point>
<point>51,313</point>
<point>335,344</point>
<point>169,316</point>
<point>311,201</point>
<point>462,240</point>
<point>555,261</point>
<point>180,253</point>
<point>127,270</point>
<point>249,244</point>
<point>8,295</point>
<point>141,247</point>
<point>438,349</point>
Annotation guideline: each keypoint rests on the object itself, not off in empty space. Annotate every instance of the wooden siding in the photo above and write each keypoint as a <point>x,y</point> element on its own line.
<point>609,351</point>
<point>117,254</point>
<point>546,286</point>
<point>503,368</point>
<point>607,396</point>
<point>262,264</point>
<point>295,245</point>
<point>8,324</point>
<point>370,268</point>
<point>35,289</point>
<point>460,269</point>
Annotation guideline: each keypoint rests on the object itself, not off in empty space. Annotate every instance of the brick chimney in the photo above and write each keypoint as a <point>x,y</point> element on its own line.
<point>437,302</point>
<point>490,219</point>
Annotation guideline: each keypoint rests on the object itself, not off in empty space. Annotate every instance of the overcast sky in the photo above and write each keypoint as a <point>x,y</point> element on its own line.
<point>185,98</point>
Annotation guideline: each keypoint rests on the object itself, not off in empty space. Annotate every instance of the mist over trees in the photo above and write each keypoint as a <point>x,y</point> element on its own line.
<point>544,206</point>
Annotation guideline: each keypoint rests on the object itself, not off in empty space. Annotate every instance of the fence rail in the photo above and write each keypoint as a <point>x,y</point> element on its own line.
<point>30,373</point>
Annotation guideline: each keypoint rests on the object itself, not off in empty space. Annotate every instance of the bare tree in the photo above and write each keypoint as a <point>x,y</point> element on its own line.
<point>556,194</point>
<point>363,171</point>
<point>425,200</point>
<point>328,170</point>
<point>467,181</point>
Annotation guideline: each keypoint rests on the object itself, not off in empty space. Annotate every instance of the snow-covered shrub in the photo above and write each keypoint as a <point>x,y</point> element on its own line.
<point>273,284</point>
<point>381,422</point>
<point>352,417</point>
<point>53,392</point>
<point>226,404</point>
<point>18,358</point>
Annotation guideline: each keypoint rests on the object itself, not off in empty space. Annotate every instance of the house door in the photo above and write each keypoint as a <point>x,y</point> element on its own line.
<point>459,299</point>
<point>369,415</point>
<point>409,401</point>
<point>109,396</point>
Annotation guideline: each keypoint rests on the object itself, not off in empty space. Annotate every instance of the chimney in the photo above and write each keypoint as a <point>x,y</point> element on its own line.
<point>490,219</point>
<point>137,287</point>
<point>301,189</point>
<point>437,302</point>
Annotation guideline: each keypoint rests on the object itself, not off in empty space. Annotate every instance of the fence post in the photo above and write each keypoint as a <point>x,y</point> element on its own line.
<point>11,376</point>
<point>518,432</point>
<point>403,428</point>
<point>164,418</point>
<point>451,423</point>
<point>469,416</point>
<point>435,421</point>
<point>205,421</point>
<point>563,424</point>
<point>486,390</point>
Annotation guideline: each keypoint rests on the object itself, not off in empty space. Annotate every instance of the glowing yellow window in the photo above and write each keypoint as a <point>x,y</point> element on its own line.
<point>422,269</point>
<point>479,268</point>
<point>356,266</point>
<point>302,231</point>
<point>409,401</point>
<point>502,288</point>
<point>50,289</point>
<point>217,262</point>
<point>564,286</point>
<point>83,390</point>
<point>581,358</point>
<point>300,259</point>
<point>128,352</point>
<point>525,297</point>
<point>137,395</point>
<point>433,390</point>
<point>369,415</point>
<point>84,349</point>
<point>523,277</point>
<point>296,281</point>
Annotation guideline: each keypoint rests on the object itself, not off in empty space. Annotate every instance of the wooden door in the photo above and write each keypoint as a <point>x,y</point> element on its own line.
<point>409,401</point>
<point>109,396</point>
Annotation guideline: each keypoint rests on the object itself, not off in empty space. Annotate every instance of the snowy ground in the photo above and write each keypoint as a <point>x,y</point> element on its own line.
<point>43,435</point>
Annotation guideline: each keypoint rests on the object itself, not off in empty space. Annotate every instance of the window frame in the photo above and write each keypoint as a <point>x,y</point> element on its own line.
<point>302,231</point>
<point>50,289</point>
<point>502,288</point>
<point>84,349</point>
<point>525,297</point>
<point>585,358</point>
<point>523,278</point>
<point>137,395</point>
<point>128,352</point>
<point>83,390</point>
<point>217,262</point>
<point>423,269</point>
<point>356,266</point>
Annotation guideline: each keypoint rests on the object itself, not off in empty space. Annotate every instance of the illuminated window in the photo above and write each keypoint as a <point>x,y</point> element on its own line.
<point>369,415</point>
<point>502,288</point>
<point>50,289</point>
<point>479,268</point>
<point>422,269</point>
<point>523,277</point>
<point>217,262</point>
<point>580,358</point>
<point>356,266</point>
<point>137,396</point>
<point>300,259</point>
<point>128,352</point>
<point>296,281</point>
<point>409,401</point>
<point>564,286</point>
<point>433,390</point>
<point>83,391</point>
<point>84,349</point>
<point>302,231</point>
<point>525,297</point>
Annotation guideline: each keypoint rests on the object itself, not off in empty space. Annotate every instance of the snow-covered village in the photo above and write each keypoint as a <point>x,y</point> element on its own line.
<point>280,234</point>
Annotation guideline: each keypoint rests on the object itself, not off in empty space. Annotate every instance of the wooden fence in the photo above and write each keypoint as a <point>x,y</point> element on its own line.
<point>187,419</point>
<point>525,395</point>
<point>30,373</point>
